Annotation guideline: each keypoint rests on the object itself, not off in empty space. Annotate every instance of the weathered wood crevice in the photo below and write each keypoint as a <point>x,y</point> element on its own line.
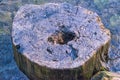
<point>36,72</point>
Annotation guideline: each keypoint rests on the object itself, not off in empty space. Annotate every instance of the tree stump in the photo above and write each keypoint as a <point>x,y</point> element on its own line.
<point>59,42</point>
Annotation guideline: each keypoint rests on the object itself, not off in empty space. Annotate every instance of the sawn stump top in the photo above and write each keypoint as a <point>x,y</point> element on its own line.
<point>58,35</point>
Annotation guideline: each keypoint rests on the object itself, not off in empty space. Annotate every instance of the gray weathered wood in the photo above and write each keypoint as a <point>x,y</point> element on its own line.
<point>59,42</point>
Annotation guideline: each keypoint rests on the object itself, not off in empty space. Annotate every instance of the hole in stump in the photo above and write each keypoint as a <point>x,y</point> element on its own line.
<point>61,37</point>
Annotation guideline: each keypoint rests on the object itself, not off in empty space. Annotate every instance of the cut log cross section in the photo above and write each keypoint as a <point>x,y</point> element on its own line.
<point>59,42</point>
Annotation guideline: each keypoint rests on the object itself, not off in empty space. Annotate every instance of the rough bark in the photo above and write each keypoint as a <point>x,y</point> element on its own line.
<point>59,42</point>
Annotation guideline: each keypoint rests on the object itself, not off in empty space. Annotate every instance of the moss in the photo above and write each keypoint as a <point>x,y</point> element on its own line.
<point>39,1</point>
<point>4,31</point>
<point>5,16</point>
<point>101,3</point>
<point>1,31</point>
<point>115,20</point>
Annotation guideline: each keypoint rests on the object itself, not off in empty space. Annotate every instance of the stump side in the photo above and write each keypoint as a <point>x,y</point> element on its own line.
<point>37,72</point>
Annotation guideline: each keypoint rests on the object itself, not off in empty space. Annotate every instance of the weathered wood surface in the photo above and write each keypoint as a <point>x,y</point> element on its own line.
<point>59,42</point>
